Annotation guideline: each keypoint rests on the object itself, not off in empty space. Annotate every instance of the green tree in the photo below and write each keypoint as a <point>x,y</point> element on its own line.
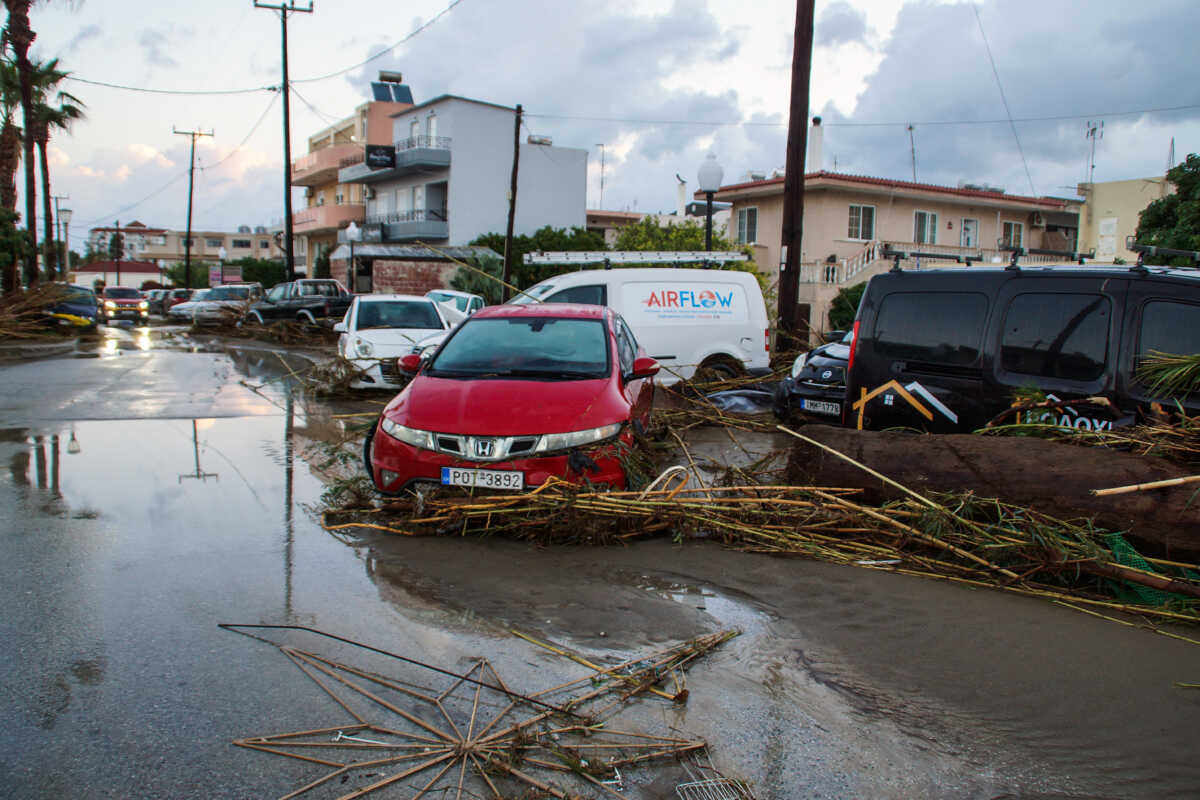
<point>844,307</point>
<point>321,262</point>
<point>466,280</point>
<point>19,36</point>
<point>175,273</point>
<point>1174,221</point>
<point>13,241</point>
<point>51,115</point>
<point>546,238</point>
<point>10,134</point>
<point>116,246</point>
<point>261,270</point>
<point>647,234</point>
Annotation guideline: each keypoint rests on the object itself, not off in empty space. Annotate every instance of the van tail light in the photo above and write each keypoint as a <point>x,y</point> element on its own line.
<point>767,339</point>
<point>853,350</point>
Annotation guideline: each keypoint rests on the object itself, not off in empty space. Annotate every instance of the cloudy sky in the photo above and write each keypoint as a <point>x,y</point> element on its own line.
<point>659,82</point>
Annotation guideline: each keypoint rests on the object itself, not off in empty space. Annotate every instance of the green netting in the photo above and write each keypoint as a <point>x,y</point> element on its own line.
<point>1124,554</point>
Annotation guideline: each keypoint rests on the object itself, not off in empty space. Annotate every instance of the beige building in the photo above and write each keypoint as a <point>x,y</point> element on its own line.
<point>163,247</point>
<point>1110,213</point>
<point>849,219</point>
<point>330,205</point>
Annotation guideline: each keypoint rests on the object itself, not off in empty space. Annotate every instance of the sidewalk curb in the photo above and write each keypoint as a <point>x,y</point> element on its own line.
<point>36,350</point>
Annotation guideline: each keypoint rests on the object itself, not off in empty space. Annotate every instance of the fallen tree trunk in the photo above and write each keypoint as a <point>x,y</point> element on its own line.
<point>1051,477</point>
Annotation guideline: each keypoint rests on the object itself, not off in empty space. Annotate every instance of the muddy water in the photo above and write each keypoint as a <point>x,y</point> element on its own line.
<point>135,541</point>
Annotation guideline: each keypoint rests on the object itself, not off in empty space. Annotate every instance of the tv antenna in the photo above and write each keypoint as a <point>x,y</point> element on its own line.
<point>1094,131</point>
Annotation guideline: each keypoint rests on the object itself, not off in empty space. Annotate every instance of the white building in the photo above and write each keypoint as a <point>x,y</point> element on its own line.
<point>447,180</point>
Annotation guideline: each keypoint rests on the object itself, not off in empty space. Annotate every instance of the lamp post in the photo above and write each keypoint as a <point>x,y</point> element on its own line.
<point>221,253</point>
<point>710,175</point>
<point>353,234</point>
<point>64,216</point>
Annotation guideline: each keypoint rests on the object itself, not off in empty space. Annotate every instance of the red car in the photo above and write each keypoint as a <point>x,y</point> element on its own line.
<point>515,396</point>
<point>121,302</point>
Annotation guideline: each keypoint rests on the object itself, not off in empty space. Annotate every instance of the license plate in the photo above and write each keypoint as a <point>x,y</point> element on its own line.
<point>821,407</point>
<point>484,478</point>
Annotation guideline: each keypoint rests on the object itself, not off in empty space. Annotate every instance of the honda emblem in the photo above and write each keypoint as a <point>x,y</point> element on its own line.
<point>483,448</point>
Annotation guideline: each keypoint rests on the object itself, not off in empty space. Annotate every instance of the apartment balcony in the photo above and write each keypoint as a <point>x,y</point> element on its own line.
<point>326,219</point>
<point>321,166</point>
<point>416,154</point>
<point>408,226</point>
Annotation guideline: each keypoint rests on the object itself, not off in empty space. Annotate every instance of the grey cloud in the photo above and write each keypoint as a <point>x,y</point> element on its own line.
<point>840,24</point>
<point>156,45</point>
<point>90,32</point>
<point>936,69</point>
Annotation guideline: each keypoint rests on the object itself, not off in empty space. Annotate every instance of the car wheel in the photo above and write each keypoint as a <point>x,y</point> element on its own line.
<point>720,368</point>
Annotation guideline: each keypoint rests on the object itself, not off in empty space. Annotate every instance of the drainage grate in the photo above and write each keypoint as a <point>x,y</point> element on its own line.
<point>712,789</point>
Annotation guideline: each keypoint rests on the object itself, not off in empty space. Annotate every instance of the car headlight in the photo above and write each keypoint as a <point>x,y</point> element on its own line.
<point>143,305</point>
<point>422,439</point>
<point>363,348</point>
<point>110,305</point>
<point>801,360</point>
<point>565,441</point>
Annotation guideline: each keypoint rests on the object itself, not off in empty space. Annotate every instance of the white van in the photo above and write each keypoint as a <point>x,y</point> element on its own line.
<point>684,318</point>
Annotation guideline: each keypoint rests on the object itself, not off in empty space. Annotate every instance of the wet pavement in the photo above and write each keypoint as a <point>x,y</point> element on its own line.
<point>164,485</point>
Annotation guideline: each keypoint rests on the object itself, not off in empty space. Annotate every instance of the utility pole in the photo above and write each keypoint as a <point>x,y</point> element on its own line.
<point>187,243</point>
<point>286,89</point>
<point>61,254</point>
<point>601,146</point>
<point>118,250</point>
<point>512,202</point>
<point>912,146</point>
<point>793,181</point>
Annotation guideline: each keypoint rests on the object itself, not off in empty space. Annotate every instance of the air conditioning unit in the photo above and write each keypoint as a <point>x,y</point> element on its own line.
<point>1037,220</point>
<point>370,193</point>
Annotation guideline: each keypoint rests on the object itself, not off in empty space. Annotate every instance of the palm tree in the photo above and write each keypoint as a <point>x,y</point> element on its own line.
<point>47,117</point>
<point>10,135</point>
<point>19,37</point>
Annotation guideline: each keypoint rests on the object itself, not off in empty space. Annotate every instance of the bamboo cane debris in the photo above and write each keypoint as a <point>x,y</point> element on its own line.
<point>1145,487</point>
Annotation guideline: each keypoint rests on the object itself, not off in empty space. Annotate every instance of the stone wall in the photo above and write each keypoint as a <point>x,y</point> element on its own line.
<point>393,276</point>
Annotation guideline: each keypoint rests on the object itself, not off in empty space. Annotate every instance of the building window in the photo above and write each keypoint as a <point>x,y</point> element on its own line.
<point>431,126</point>
<point>1061,336</point>
<point>414,129</point>
<point>264,245</point>
<point>242,243</point>
<point>925,227</point>
<point>1014,234</point>
<point>213,242</point>
<point>161,241</point>
<point>862,222</point>
<point>747,225</point>
<point>339,198</point>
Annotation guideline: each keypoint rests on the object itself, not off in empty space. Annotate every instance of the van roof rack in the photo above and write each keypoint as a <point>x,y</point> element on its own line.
<point>1144,250</point>
<point>610,257</point>
<point>1017,252</point>
<point>898,255</point>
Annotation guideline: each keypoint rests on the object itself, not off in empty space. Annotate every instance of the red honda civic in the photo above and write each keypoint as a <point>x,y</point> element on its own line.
<point>516,395</point>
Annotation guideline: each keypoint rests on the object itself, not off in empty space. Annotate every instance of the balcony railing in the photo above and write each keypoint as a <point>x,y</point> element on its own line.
<point>322,218</point>
<point>350,161</point>
<point>431,142</point>
<point>321,166</point>
<point>416,215</point>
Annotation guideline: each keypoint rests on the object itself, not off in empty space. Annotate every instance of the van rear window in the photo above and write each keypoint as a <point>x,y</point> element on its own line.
<point>932,327</point>
<point>1053,335</point>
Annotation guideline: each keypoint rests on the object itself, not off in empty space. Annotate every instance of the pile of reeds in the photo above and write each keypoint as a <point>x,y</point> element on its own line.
<point>962,538</point>
<point>23,313</point>
<point>288,332</point>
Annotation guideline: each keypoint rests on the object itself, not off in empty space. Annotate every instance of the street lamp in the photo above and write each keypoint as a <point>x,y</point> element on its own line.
<point>221,253</point>
<point>64,216</point>
<point>353,234</point>
<point>710,181</point>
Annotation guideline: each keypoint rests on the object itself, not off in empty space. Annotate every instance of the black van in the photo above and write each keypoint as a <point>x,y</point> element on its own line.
<point>946,350</point>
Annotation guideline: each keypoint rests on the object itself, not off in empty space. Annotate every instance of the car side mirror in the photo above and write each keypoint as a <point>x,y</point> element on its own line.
<point>339,327</point>
<point>410,363</point>
<point>644,367</point>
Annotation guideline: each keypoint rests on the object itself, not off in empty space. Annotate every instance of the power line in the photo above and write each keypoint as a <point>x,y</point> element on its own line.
<point>888,124</point>
<point>123,209</point>
<point>332,120</point>
<point>1004,99</point>
<point>242,144</point>
<point>384,51</point>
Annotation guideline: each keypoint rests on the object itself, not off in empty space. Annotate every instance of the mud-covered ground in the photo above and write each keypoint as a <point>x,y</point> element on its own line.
<point>156,490</point>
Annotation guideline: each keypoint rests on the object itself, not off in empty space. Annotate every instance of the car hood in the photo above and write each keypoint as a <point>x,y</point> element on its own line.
<point>205,305</point>
<point>503,407</point>
<point>123,301</point>
<point>393,341</point>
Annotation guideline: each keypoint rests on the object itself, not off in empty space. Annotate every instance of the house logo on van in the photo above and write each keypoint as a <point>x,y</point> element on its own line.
<point>912,394</point>
<point>686,299</point>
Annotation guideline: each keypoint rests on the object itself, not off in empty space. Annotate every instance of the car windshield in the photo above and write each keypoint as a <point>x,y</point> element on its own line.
<point>532,294</point>
<point>76,294</point>
<point>526,347</point>
<point>122,293</point>
<point>398,314</point>
<point>223,293</point>
<point>458,301</point>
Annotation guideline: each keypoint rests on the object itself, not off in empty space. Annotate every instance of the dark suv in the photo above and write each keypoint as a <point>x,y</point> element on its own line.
<point>948,350</point>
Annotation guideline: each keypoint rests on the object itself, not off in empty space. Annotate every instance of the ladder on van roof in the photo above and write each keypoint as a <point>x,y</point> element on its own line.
<point>610,257</point>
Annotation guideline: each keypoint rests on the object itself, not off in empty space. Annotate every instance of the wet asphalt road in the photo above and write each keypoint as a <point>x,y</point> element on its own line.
<point>150,493</point>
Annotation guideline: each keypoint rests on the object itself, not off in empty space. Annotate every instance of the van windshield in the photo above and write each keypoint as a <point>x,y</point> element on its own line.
<point>532,294</point>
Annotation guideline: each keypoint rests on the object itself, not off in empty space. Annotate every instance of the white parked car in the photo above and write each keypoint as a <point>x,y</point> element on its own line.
<point>379,328</point>
<point>226,303</point>
<point>464,302</point>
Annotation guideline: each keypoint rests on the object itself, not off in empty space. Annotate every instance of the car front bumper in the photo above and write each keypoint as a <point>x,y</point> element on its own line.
<point>597,464</point>
<point>817,402</point>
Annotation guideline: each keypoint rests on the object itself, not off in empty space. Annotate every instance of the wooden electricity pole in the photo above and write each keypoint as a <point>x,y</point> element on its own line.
<point>793,180</point>
<point>512,203</point>
<point>286,89</point>
<point>187,242</point>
